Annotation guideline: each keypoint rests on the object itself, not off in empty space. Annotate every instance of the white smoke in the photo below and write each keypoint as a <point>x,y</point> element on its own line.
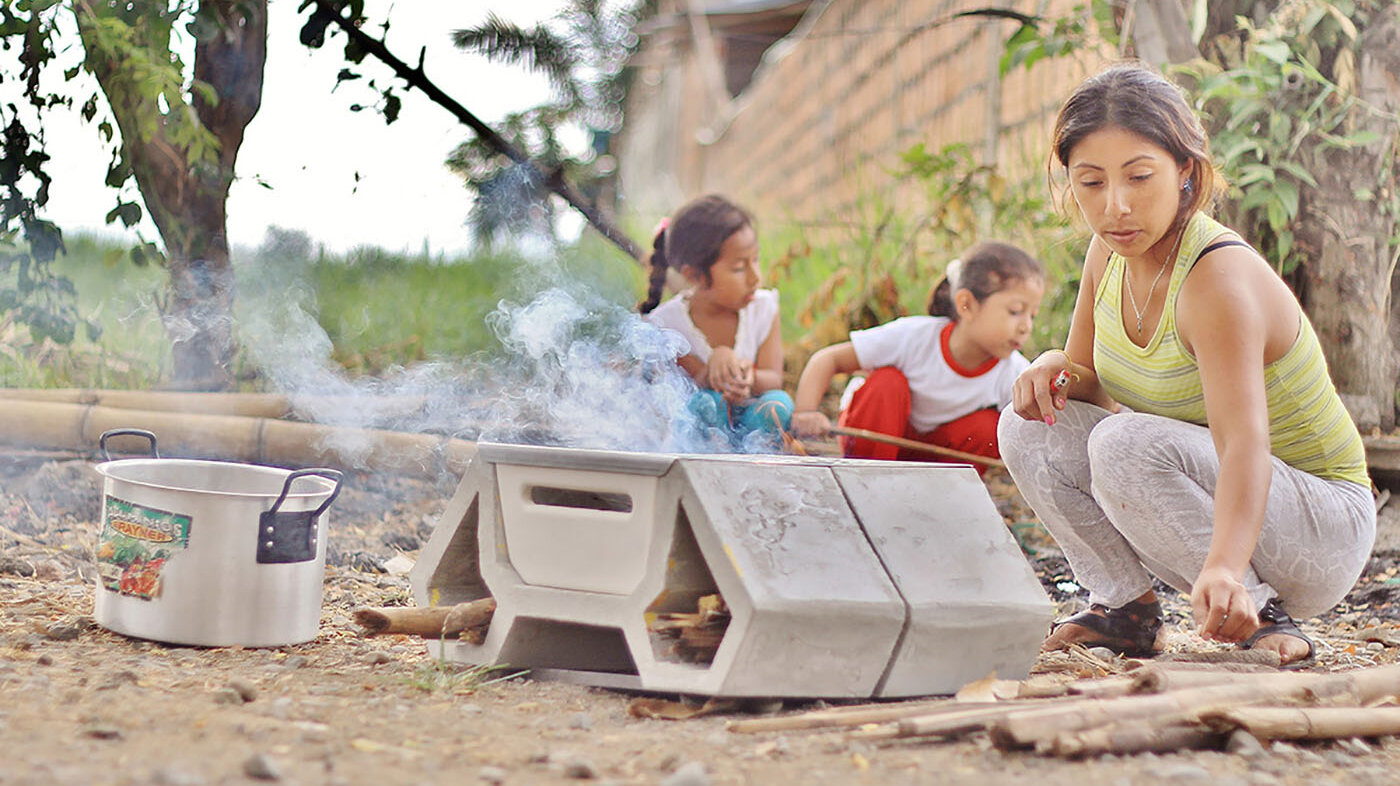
<point>572,369</point>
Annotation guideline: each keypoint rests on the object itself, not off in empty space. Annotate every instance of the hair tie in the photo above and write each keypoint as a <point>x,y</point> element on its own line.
<point>954,275</point>
<point>661,226</point>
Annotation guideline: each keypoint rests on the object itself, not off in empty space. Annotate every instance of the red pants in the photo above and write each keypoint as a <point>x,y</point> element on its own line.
<point>882,404</point>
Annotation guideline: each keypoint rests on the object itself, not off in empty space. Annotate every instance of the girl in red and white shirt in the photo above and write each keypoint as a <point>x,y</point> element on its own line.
<point>940,379</point>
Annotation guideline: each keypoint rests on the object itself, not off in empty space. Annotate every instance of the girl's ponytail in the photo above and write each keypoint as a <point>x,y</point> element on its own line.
<point>657,281</point>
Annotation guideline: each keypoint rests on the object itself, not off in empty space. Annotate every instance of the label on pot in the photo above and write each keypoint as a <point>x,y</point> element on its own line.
<point>135,544</point>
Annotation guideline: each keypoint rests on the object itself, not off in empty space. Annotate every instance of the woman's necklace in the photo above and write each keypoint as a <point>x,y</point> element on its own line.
<point>1128,279</point>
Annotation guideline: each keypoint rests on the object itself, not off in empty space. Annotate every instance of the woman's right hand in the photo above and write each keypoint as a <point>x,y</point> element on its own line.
<point>811,424</point>
<point>1043,388</point>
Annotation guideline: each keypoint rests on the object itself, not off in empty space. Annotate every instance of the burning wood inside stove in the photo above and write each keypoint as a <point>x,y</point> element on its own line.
<point>693,636</point>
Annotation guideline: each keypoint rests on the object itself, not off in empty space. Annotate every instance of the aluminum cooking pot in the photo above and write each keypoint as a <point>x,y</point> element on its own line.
<point>210,553</point>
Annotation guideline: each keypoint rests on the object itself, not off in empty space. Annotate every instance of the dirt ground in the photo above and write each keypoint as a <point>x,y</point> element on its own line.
<point>81,705</point>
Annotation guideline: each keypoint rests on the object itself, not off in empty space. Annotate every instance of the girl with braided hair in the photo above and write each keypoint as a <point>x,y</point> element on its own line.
<point>730,324</point>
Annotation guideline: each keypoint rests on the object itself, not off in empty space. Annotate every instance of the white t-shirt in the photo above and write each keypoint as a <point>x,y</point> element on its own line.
<point>755,323</point>
<point>941,390</point>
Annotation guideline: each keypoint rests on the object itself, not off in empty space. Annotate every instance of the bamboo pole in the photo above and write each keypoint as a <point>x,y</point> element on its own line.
<point>875,436</point>
<point>258,405</point>
<point>1307,723</point>
<point>1031,726</point>
<point>255,405</point>
<point>858,715</point>
<point>78,427</point>
<point>1154,679</point>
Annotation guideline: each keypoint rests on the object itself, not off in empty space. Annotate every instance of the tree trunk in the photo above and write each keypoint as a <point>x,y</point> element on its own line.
<point>1348,280</point>
<point>1161,33</point>
<point>185,190</point>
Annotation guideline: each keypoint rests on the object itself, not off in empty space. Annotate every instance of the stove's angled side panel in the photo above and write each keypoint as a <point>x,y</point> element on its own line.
<point>975,604</point>
<point>449,569</point>
<point>814,614</point>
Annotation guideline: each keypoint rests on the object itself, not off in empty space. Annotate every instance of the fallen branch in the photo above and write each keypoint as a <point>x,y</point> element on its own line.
<point>467,621</point>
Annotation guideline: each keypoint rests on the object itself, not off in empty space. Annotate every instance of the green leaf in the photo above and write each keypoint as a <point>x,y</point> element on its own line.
<point>1287,194</point>
<point>1276,51</point>
<point>128,212</point>
<point>1298,171</point>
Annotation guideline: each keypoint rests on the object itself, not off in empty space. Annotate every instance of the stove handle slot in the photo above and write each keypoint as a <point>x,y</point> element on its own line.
<point>587,499</point>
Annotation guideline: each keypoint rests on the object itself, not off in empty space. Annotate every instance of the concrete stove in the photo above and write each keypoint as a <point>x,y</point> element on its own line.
<point>843,578</point>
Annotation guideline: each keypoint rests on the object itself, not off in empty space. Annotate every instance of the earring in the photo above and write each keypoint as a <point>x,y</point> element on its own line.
<point>1186,186</point>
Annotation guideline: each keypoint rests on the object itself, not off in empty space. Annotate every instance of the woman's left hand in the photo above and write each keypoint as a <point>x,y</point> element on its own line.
<point>1221,606</point>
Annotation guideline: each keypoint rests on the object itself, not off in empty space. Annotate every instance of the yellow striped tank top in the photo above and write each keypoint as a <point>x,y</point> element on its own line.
<point>1308,427</point>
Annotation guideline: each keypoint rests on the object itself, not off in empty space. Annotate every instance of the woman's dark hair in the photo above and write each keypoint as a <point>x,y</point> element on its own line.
<point>692,239</point>
<point>1136,98</point>
<point>987,268</point>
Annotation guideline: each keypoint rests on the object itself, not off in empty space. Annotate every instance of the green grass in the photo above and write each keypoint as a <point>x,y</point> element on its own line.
<point>442,676</point>
<point>378,309</point>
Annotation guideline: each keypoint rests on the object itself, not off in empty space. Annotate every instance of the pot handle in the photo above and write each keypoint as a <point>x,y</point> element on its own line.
<point>132,432</point>
<point>290,536</point>
<point>330,474</point>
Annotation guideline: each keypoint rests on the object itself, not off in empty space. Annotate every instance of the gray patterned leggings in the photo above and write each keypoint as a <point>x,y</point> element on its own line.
<point>1130,495</point>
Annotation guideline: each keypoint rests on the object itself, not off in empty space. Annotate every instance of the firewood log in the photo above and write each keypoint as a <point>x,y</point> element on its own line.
<point>470,618</point>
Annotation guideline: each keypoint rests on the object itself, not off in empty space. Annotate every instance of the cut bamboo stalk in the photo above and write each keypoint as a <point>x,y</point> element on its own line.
<point>1030,726</point>
<point>1131,738</point>
<point>1155,679</point>
<point>911,444</point>
<point>1307,723</point>
<point>78,427</point>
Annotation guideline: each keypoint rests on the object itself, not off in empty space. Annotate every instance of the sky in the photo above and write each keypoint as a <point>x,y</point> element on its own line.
<point>304,150</point>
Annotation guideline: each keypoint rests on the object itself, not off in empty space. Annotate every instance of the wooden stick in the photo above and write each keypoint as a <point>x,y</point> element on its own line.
<point>860,715</point>
<point>1307,723</point>
<point>429,622</point>
<point>875,436</point>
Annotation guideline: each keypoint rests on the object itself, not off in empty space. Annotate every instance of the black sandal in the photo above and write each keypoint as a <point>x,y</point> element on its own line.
<point>1130,630</point>
<point>1273,619</point>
